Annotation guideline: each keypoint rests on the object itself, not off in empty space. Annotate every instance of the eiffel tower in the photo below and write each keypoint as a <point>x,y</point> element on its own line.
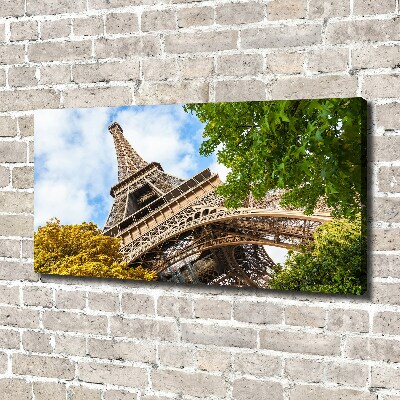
<point>181,229</point>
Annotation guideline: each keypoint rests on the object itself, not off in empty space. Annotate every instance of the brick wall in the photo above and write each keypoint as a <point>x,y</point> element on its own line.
<point>68,338</point>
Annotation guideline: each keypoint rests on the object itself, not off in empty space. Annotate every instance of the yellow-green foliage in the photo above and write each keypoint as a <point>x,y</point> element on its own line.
<point>334,263</point>
<point>81,250</point>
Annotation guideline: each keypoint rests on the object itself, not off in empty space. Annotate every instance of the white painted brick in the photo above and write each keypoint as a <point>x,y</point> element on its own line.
<point>3,79</point>
<point>369,7</point>
<point>349,374</point>
<point>15,388</point>
<point>385,377</point>
<point>300,342</point>
<point>240,13</point>
<point>70,299</point>
<point>113,374</point>
<point>49,390</point>
<point>108,302</point>
<point>37,342</point>
<point>298,369</point>
<point>144,329</point>
<point>175,356</point>
<point>212,309</point>
<point>378,349</point>
<point>9,295</point>
<point>55,74</point>
<point>158,20</point>
<point>10,248</point>
<point>60,51</point>
<point>8,126</point>
<point>121,350</point>
<point>247,389</point>
<point>22,100</point>
<point>12,54</point>
<point>38,296</point>
<point>200,42</point>
<point>212,360</point>
<point>244,90</point>
<point>282,10</point>
<point>2,32</point>
<point>168,93</point>
<point>16,225</point>
<point>315,87</point>
<point>121,395</point>
<point>107,4</point>
<point>27,248</point>
<point>104,72</point>
<point>177,51</point>
<point>24,30</point>
<point>84,393</point>
<point>91,26</point>
<point>330,60</point>
<point>127,47</point>
<point>219,335</point>
<point>385,265</point>
<point>258,312</point>
<point>281,36</point>
<point>387,323</point>
<point>25,124</point>
<point>257,364</point>
<point>4,176</point>
<point>51,7</point>
<point>9,339</point>
<point>196,16</point>
<point>375,57</point>
<point>59,28</point>
<point>381,86</point>
<point>137,304</point>
<point>174,306</point>
<point>22,76</point>
<point>159,69</point>
<point>122,23</point>
<point>98,97</point>
<point>191,68</point>
<point>14,270</point>
<point>22,177</point>
<point>348,320</point>
<point>70,345</point>
<point>193,384</point>
<point>239,64</point>
<point>308,392</point>
<point>68,322</point>
<point>51,367</point>
<point>328,8</point>
<point>386,148</point>
<point>362,31</point>
<point>305,316</point>
<point>12,8</point>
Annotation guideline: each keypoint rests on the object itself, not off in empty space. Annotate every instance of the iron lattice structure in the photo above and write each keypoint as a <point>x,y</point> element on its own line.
<point>181,229</point>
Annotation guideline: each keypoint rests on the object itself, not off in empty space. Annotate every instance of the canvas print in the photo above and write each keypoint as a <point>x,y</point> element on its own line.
<point>267,195</point>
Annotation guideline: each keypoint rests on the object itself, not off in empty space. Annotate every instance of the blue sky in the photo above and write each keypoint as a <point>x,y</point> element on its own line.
<point>75,161</point>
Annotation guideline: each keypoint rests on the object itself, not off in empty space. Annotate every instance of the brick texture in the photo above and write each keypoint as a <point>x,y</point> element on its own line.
<point>89,339</point>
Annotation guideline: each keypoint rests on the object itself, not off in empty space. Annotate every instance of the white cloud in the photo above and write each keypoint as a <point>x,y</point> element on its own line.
<point>278,254</point>
<point>72,164</point>
<point>220,169</point>
<point>63,200</point>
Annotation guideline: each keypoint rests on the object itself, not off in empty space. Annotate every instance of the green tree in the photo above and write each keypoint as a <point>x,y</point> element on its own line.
<point>311,148</point>
<point>333,263</point>
<point>81,250</point>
